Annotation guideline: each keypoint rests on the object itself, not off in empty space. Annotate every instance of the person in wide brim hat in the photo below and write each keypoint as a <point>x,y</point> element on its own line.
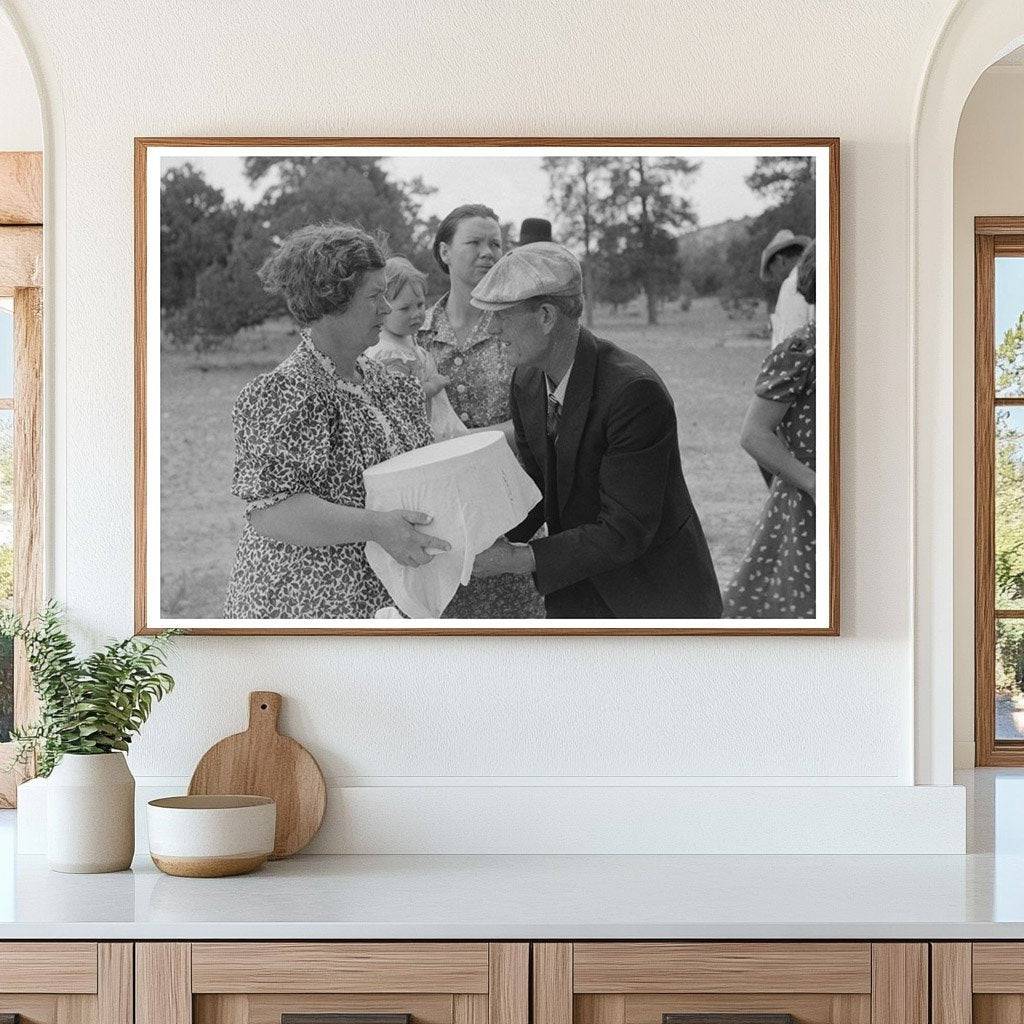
<point>534,229</point>
<point>784,243</point>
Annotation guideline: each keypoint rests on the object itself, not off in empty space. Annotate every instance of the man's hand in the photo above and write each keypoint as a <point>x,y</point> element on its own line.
<point>502,557</point>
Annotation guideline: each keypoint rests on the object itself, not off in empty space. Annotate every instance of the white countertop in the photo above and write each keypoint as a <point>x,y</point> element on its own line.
<point>977,896</point>
<point>532,897</point>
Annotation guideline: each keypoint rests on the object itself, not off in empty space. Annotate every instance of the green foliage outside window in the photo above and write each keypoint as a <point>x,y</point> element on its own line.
<point>1009,510</point>
<point>1009,481</point>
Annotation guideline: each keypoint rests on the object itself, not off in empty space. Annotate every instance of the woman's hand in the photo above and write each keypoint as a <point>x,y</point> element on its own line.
<point>396,533</point>
<point>760,440</point>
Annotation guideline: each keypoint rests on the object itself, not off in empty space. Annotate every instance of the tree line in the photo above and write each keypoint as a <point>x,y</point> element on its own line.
<point>632,222</point>
<point>628,217</point>
<point>211,249</point>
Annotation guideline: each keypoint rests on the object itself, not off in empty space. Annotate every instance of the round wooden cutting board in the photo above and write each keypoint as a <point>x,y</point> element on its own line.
<point>262,762</point>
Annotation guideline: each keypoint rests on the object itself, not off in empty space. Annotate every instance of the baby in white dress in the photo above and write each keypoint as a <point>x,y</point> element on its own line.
<point>404,289</point>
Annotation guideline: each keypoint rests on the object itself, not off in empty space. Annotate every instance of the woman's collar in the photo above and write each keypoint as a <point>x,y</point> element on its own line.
<point>479,333</point>
<point>327,364</point>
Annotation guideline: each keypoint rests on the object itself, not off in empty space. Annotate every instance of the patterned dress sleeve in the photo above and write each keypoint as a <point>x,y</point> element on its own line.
<point>282,441</point>
<point>788,371</point>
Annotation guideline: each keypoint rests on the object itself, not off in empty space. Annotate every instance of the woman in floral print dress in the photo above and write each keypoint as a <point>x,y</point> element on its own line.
<point>304,433</point>
<point>776,579</point>
<point>458,336</point>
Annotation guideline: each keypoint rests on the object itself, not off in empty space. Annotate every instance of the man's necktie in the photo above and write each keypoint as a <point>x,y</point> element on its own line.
<point>554,412</point>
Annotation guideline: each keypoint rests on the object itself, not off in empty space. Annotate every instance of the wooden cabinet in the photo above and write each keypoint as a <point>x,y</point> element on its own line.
<point>494,983</point>
<point>815,982</point>
<point>981,982</point>
<point>66,982</point>
<point>260,982</point>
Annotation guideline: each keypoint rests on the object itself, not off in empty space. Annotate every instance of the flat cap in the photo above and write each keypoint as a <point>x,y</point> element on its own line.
<point>540,268</point>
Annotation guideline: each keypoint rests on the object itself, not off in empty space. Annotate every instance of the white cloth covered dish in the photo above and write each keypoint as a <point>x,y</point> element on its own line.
<point>475,490</point>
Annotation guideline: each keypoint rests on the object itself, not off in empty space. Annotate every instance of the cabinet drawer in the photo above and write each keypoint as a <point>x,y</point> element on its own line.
<point>998,967</point>
<point>261,982</point>
<point>980,982</point>
<point>48,967</point>
<point>340,967</point>
<point>635,967</point>
<point>66,982</point>
<point>737,982</point>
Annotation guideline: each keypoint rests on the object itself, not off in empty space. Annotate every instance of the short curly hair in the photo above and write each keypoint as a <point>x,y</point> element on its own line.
<point>319,268</point>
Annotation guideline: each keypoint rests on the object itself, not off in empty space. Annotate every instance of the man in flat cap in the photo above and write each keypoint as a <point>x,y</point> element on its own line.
<point>596,429</point>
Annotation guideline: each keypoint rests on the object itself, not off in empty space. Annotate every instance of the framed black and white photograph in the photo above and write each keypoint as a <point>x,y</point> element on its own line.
<point>487,386</point>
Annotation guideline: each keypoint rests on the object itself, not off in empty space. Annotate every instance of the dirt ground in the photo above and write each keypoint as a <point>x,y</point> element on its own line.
<point>708,362</point>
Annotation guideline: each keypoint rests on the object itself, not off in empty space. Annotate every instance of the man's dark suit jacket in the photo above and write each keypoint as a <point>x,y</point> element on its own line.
<point>622,528</point>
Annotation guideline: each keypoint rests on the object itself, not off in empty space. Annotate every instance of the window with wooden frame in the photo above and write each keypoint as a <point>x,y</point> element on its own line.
<point>21,364</point>
<point>999,491</point>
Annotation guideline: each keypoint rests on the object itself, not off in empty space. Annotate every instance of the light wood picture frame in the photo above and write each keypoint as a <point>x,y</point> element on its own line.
<point>160,538</point>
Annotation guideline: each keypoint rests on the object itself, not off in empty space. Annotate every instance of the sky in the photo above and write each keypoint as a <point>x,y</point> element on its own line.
<point>6,348</point>
<point>717,191</point>
<point>1009,293</point>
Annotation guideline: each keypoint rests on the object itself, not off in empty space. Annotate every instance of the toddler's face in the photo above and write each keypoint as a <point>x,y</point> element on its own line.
<point>408,309</point>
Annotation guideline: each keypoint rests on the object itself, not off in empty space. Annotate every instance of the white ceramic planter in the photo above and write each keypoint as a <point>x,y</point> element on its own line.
<point>90,814</point>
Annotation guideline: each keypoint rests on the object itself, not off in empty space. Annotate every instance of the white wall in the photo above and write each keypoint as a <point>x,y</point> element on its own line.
<point>21,124</point>
<point>444,713</point>
<point>988,181</point>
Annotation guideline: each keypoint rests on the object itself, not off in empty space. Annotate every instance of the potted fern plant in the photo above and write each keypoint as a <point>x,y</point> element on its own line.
<point>89,710</point>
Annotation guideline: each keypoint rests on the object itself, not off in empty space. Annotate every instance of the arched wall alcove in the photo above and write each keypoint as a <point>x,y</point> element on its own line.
<point>975,35</point>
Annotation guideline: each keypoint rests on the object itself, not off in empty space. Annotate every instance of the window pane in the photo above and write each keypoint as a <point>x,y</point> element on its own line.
<point>6,348</point>
<point>1009,322</point>
<point>6,567</point>
<point>1009,679</point>
<point>1009,512</point>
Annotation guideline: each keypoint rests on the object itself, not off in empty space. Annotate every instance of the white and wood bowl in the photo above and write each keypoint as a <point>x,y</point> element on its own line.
<point>211,836</point>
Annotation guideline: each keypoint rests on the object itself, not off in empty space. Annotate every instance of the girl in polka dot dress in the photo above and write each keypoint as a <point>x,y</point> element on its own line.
<point>776,579</point>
